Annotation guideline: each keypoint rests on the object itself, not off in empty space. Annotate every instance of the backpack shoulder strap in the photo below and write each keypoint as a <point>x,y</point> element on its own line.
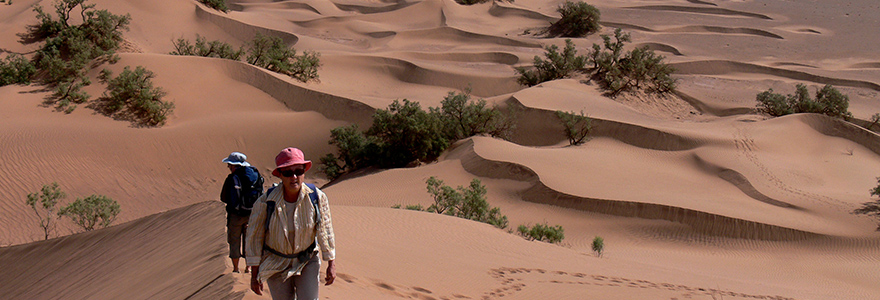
<point>270,207</point>
<point>314,197</point>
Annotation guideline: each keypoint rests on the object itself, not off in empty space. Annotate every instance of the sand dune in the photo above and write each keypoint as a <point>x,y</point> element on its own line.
<point>171,251</point>
<point>697,196</point>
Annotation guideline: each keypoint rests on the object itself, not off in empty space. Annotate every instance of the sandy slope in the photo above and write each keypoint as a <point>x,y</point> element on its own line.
<point>696,197</point>
<point>167,255</point>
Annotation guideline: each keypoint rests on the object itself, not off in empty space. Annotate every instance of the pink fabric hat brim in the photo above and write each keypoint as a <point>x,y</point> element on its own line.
<point>290,157</point>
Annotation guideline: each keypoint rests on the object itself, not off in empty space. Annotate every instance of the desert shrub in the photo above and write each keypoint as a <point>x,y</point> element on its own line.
<point>400,135</point>
<point>94,210</point>
<point>404,133</point>
<point>16,69</point>
<point>207,49</point>
<point>829,101</point>
<point>216,4</point>
<point>70,48</point>
<point>875,119</point>
<point>352,147</point>
<point>271,53</point>
<point>131,95</point>
<point>773,104</point>
<point>598,245</point>
<point>43,204</point>
<point>871,208</point>
<point>557,66</point>
<point>833,103</point>
<point>69,93</point>
<point>465,117</point>
<point>445,197</point>
<point>577,127</point>
<point>464,202</point>
<point>640,69</point>
<point>542,232</point>
<point>577,19</point>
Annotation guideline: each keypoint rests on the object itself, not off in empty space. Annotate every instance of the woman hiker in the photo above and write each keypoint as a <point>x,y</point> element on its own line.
<point>288,225</point>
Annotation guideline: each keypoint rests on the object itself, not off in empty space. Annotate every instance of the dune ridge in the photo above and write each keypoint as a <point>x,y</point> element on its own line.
<point>703,222</point>
<point>702,10</point>
<point>102,263</point>
<point>297,97</point>
<point>533,129</point>
<point>721,67</point>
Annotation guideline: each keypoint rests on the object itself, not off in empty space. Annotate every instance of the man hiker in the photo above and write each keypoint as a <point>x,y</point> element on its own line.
<point>242,187</point>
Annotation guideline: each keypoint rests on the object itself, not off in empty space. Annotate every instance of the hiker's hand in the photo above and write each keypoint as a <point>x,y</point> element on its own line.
<point>256,285</point>
<point>331,273</point>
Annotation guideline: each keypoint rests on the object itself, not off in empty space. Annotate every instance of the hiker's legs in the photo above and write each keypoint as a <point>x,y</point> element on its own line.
<point>307,282</point>
<point>234,238</point>
<point>280,288</point>
<point>244,241</point>
<point>302,287</point>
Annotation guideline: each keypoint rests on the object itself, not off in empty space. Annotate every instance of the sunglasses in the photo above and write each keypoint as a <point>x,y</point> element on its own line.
<point>291,173</point>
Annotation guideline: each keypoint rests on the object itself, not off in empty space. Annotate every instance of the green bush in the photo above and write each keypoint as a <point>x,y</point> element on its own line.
<point>557,66</point>
<point>206,49</point>
<point>577,19</point>
<point>404,134</point>
<point>875,119</point>
<point>598,245</point>
<point>542,232</point>
<point>46,199</point>
<point>577,127</point>
<point>464,202</point>
<point>466,117</point>
<point>216,4</point>
<point>69,93</point>
<point>16,69</point>
<point>94,210</point>
<point>271,53</point>
<point>829,101</point>
<point>445,197</point>
<point>871,208</point>
<point>131,95</point>
<point>640,69</point>
<point>69,49</point>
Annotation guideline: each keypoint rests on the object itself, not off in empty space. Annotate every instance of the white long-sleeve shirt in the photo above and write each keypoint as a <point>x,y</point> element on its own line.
<point>292,230</point>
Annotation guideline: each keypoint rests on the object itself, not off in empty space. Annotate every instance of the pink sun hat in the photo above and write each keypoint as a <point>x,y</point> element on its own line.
<point>290,157</point>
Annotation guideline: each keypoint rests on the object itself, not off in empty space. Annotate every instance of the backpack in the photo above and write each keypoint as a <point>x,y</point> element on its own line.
<point>250,192</point>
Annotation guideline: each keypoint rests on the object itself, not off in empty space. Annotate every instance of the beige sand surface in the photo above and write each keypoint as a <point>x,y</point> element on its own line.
<point>695,195</point>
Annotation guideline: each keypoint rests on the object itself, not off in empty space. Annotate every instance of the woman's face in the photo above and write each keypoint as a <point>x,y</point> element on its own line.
<point>292,177</point>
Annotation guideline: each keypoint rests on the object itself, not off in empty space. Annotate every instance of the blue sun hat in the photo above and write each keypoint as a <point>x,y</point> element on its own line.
<point>237,158</point>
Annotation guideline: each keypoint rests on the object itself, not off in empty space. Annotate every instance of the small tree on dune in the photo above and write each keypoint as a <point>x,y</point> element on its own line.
<point>577,19</point>
<point>577,127</point>
<point>542,232</point>
<point>271,53</point>
<point>871,208</point>
<point>43,204</point>
<point>598,245</point>
<point>92,211</point>
<point>465,202</point>
<point>828,101</point>
<point>556,66</point>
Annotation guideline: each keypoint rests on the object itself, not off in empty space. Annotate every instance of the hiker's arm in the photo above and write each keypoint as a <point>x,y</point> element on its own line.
<point>326,237</point>
<point>256,285</point>
<point>331,273</point>
<point>224,192</point>
<point>256,233</point>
